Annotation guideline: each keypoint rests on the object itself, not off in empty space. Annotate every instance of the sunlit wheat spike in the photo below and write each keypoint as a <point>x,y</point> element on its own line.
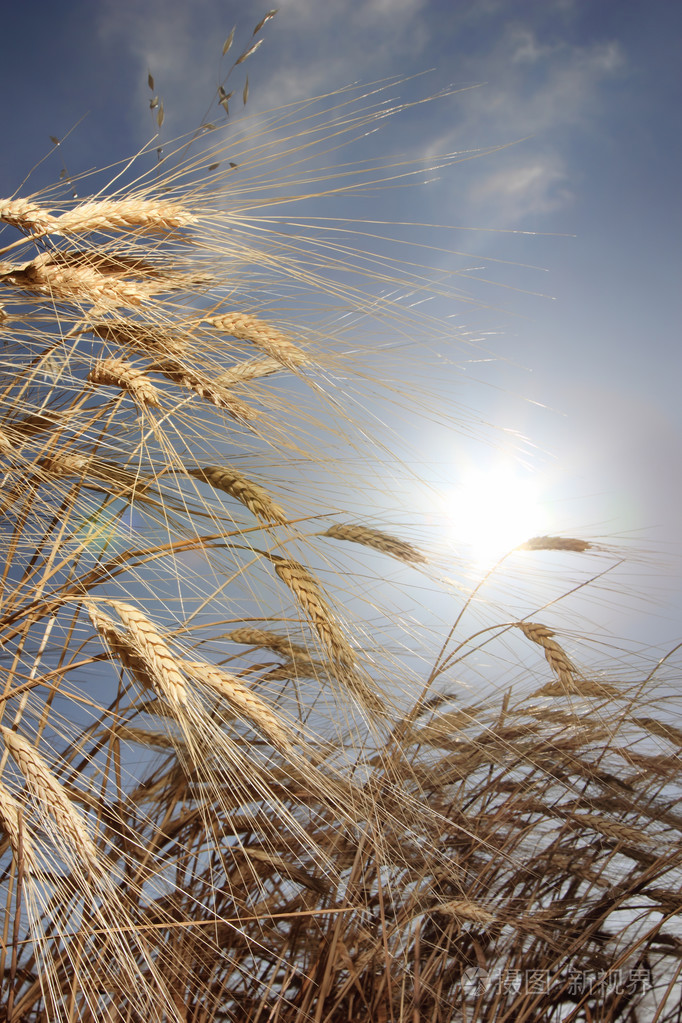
<point>12,823</point>
<point>57,279</point>
<point>145,737</point>
<point>270,340</point>
<point>555,655</point>
<point>465,910</point>
<point>207,389</point>
<point>146,641</point>
<point>579,686</point>
<point>306,589</point>
<point>253,496</point>
<point>556,543</point>
<point>119,373</point>
<point>26,215</point>
<point>249,369</point>
<point>5,444</point>
<point>122,649</point>
<point>383,542</point>
<point>52,796</point>
<point>144,215</point>
<point>663,729</point>
<point>151,339</point>
<point>249,636</point>
<point>242,700</point>
<point>66,463</point>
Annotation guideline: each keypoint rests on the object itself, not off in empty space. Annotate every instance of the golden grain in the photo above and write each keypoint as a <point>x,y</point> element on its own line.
<point>119,373</point>
<point>207,389</point>
<point>556,543</point>
<point>270,340</point>
<point>379,541</point>
<point>123,214</point>
<point>242,700</point>
<point>13,824</point>
<point>26,215</point>
<point>555,655</point>
<point>249,369</point>
<point>253,496</point>
<point>52,796</point>
<point>152,339</point>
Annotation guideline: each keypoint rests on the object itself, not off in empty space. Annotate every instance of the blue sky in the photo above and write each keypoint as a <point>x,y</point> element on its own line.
<point>580,99</point>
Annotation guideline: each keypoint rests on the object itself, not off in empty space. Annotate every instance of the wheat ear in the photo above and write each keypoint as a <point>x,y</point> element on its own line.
<point>207,389</point>
<point>270,340</point>
<point>149,651</point>
<point>379,541</point>
<point>249,369</point>
<point>119,373</point>
<point>242,700</point>
<point>26,215</point>
<point>144,215</point>
<point>11,819</point>
<point>555,655</point>
<point>307,591</point>
<point>151,339</point>
<point>250,494</point>
<point>52,797</point>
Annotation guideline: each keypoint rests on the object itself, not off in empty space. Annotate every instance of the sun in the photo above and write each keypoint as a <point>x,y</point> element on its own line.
<point>493,509</point>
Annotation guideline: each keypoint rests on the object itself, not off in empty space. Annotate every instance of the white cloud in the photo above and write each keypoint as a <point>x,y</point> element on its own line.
<point>527,187</point>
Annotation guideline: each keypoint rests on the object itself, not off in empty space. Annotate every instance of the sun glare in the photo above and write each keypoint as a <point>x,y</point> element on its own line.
<point>494,509</point>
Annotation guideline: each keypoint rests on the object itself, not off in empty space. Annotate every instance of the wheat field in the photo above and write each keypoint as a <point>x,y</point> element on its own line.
<point>266,756</point>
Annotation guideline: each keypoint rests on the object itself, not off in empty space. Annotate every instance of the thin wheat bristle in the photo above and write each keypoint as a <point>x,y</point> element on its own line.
<point>250,328</point>
<point>52,796</point>
<point>242,700</point>
<point>253,496</point>
<point>119,373</point>
<point>555,655</point>
<point>383,542</point>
